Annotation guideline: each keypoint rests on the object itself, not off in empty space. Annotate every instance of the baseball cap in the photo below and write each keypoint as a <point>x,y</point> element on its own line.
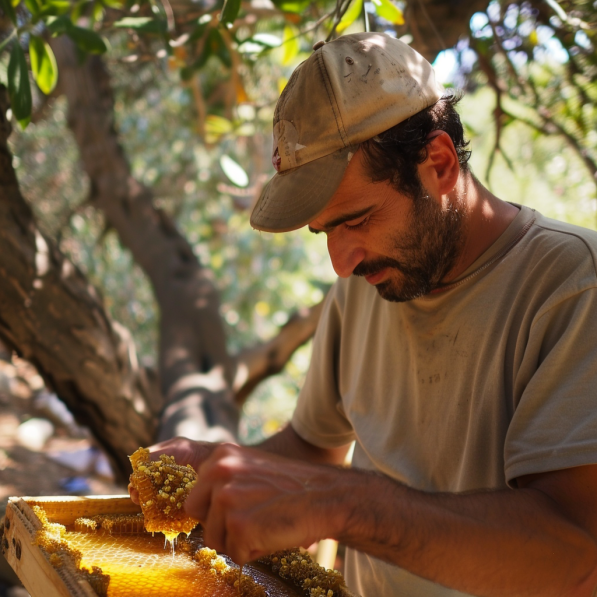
<point>348,91</point>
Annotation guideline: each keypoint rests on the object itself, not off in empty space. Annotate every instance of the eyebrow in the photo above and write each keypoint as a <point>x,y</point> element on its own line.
<point>341,219</point>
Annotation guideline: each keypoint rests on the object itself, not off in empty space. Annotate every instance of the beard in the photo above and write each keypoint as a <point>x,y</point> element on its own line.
<point>423,255</point>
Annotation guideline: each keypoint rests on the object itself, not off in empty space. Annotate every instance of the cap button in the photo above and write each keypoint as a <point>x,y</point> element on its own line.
<point>318,45</point>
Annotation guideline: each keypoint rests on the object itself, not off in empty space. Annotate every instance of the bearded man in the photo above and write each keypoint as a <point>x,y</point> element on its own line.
<point>457,350</point>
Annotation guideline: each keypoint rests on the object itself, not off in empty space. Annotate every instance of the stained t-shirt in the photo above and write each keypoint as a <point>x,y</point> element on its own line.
<point>465,389</point>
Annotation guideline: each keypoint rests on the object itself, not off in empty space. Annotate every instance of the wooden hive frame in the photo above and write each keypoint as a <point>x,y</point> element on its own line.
<point>18,541</point>
<point>32,567</point>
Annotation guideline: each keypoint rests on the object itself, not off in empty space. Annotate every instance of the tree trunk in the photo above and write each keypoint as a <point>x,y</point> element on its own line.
<point>196,371</point>
<point>51,316</point>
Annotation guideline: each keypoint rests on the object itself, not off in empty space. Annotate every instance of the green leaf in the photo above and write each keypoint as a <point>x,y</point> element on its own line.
<point>97,13</point>
<point>113,3</point>
<point>58,25</point>
<point>229,11</point>
<point>54,7</point>
<point>234,171</point>
<point>218,125</point>
<point>388,11</point>
<point>142,24</point>
<point>350,16</point>
<point>33,7</point>
<point>293,6</point>
<point>19,88</point>
<point>218,47</point>
<point>43,64</point>
<point>291,44</point>
<point>198,32</point>
<point>86,39</point>
<point>8,10</point>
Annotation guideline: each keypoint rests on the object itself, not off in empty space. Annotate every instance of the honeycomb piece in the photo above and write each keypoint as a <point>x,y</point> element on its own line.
<point>52,538</point>
<point>85,525</point>
<point>97,579</point>
<point>163,487</point>
<point>139,566</point>
<point>315,580</point>
<point>119,524</point>
<point>208,559</point>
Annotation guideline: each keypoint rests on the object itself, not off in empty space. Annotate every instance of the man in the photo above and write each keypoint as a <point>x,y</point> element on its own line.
<point>457,350</point>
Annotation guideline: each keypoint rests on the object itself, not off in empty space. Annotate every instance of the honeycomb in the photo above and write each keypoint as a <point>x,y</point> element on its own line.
<point>119,558</point>
<point>163,487</point>
<point>116,562</point>
<point>298,567</point>
<point>119,524</point>
<point>139,566</point>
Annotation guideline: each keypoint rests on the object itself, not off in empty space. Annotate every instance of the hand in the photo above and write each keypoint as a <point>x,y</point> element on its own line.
<point>185,451</point>
<point>252,503</point>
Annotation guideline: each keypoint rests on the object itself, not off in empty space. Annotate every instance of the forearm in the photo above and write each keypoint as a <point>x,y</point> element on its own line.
<point>289,444</point>
<point>511,542</point>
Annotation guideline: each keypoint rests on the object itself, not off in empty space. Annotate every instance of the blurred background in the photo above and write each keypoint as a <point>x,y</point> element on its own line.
<point>136,302</point>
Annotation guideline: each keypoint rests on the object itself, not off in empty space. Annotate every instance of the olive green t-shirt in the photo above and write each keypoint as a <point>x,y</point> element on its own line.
<point>465,389</point>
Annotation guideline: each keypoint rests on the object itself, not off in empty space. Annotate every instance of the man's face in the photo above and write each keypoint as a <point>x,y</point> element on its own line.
<point>402,246</point>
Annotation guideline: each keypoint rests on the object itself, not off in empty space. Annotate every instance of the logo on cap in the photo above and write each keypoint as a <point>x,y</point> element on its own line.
<point>276,160</point>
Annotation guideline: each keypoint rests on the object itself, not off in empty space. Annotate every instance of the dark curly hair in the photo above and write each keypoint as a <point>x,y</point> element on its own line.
<point>395,154</point>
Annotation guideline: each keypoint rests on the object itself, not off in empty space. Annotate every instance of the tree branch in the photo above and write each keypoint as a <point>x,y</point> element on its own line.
<point>255,364</point>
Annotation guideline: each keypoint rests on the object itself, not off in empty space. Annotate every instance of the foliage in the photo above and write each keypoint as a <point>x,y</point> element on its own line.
<point>195,89</point>
<point>541,62</point>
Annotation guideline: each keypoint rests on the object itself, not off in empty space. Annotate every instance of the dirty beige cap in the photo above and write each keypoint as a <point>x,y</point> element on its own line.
<point>346,92</point>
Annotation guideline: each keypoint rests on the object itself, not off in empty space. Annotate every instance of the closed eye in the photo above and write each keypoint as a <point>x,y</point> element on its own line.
<point>358,225</point>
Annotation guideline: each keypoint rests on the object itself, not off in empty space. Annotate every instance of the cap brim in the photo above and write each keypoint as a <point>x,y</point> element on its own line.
<point>296,197</point>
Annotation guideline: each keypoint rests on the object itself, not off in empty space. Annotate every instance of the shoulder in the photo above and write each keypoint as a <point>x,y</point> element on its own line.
<point>567,240</point>
<point>562,251</point>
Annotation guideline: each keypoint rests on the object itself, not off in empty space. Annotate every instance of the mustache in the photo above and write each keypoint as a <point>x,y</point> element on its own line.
<point>368,268</point>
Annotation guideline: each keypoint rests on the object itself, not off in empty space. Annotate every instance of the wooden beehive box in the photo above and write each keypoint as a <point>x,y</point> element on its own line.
<point>38,576</point>
<point>42,579</point>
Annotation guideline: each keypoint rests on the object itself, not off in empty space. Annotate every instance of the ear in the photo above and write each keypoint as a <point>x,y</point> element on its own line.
<point>440,171</point>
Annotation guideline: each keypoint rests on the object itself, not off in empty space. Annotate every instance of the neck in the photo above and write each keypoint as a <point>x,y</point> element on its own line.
<point>486,218</point>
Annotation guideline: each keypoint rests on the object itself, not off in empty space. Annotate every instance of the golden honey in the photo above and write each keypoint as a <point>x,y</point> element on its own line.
<point>118,558</point>
<point>163,487</point>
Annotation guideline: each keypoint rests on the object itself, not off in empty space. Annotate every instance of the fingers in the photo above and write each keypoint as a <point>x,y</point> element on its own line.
<point>214,526</point>
<point>134,494</point>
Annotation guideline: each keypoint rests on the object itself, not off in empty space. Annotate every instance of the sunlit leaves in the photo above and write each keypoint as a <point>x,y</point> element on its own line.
<point>142,24</point>
<point>291,44</point>
<point>43,64</point>
<point>216,126</point>
<point>350,16</point>
<point>268,40</point>
<point>234,171</point>
<point>292,6</point>
<point>388,11</point>
<point>19,88</point>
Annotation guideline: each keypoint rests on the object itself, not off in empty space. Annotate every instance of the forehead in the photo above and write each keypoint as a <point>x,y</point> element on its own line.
<point>355,191</point>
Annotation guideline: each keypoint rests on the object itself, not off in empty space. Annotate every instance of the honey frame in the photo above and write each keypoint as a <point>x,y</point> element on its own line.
<point>19,547</point>
<point>32,567</point>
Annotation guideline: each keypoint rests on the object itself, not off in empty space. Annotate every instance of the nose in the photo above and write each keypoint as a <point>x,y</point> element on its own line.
<point>345,255</point>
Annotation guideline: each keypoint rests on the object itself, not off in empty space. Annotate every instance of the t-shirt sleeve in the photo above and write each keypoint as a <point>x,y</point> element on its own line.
<point>554,425</point>
<point>319,417</point>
